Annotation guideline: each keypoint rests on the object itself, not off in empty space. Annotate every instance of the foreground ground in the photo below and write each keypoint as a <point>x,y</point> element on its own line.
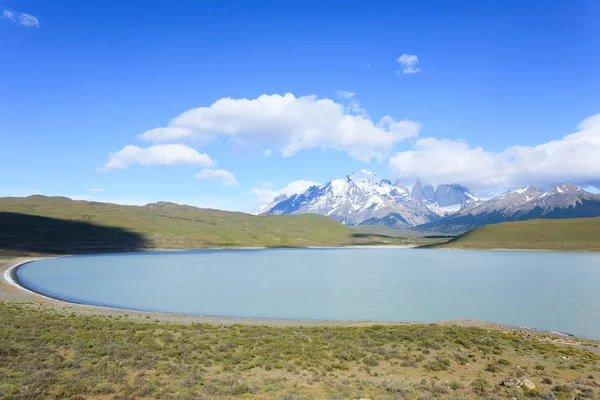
<point>576,234</point>
<point>48,354</point>
<point>50,349</point>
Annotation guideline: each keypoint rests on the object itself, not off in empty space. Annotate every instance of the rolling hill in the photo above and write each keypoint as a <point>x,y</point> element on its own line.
<point>61,225</point>
<point>576,234</point>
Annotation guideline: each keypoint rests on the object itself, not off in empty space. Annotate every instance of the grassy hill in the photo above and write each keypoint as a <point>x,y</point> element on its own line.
<point>61,225</point>
<point>577,234</point>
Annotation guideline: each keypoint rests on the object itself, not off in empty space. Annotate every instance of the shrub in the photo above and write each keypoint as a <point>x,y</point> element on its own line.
<point>480,386</point>
<point>439,363</point>
<point>371,361</point>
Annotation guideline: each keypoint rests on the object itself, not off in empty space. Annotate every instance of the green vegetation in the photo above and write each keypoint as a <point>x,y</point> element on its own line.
<point>401,233</point>
<point>39,224</point>
<point>577,234</point>
<point>48,354</point>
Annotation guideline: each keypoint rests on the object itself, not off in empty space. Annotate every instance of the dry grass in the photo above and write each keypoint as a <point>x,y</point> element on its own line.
<point>48,354</point>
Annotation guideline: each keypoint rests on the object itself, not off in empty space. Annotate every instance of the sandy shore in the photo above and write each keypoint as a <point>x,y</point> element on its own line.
<point>12,291</point>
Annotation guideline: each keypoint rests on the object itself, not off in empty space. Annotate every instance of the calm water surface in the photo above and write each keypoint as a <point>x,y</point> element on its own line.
<point>554,291</point>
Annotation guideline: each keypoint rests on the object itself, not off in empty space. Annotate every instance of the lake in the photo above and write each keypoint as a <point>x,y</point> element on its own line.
<point>544,290</point>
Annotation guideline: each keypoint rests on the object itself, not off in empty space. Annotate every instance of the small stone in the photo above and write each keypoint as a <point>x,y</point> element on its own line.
<point>527,384</point>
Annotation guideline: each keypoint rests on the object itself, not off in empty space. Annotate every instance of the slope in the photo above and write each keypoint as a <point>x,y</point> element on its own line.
<point>576,234</point>
<point>62,225</point>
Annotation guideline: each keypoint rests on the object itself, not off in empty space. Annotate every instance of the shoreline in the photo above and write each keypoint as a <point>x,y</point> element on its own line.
<point>25,295</point>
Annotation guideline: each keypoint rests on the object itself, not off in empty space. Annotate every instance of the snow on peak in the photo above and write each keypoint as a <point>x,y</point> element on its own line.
<point>564,188</point>
<point>526,190</point>
<point>365,176</point>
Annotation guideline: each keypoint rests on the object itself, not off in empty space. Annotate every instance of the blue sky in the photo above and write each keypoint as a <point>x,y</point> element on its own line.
<point>480,93</point>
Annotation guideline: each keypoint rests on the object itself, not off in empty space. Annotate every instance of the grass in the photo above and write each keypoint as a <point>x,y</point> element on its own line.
<point>577,234</point>
<point>402,233</point>
<point>60,225</point>
<point>50,354</point>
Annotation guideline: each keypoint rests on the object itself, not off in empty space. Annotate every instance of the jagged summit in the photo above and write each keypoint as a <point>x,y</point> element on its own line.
<point>363,197</point>
<point>445,198</point>
<point>358,197</point>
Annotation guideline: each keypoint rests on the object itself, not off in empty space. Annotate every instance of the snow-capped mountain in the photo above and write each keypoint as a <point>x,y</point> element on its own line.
<point>445,199</point>
<point>361,197</point>
<point>264,208</point>
<point>365,198</point>
<point>562,201</point>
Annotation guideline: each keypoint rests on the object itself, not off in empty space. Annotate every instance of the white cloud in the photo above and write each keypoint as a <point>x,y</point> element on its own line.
<point>575,158</point>
<point>265,194</point>
<point>409,64</point>
<point>267,152</point>
<point>97,190</point>
<point>164,154</point>
<point>20,18</point>
<point>344,94</point>
<point>290,123</point>
<point>226,177</point>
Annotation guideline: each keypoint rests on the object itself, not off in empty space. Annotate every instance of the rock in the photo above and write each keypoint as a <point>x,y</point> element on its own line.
<point>527,384</point>
<point>587,391</point>
<point>548,396</point>
<point>510,382</point>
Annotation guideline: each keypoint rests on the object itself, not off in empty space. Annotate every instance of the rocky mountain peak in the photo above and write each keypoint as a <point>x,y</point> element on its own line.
<point>356,198</point>
<point>565,188</point>
<point>423,192</point>
<point>364,176</point>
<point>444,195</point>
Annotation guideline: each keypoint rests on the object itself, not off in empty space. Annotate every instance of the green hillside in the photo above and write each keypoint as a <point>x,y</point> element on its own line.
<point>61,225</point>
<point>577,234</point>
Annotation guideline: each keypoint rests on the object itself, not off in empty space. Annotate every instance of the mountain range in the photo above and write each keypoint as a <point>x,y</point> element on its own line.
<point>363,198</point>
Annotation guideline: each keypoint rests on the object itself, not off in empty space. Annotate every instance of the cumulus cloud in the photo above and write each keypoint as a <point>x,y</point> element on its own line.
<point>409,64</point>
<point>97,190</point>
<point>290,123</point>
<point>226,177</point>
<point>19,18</point>
<point>267,152</point>
<point>266,194</point>
<point>164,154</point>
<point>575,158</point>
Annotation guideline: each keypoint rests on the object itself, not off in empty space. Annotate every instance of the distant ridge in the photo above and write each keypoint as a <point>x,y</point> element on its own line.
<point>363,198</point>
<point>562,201</point>
<point>576,234</point>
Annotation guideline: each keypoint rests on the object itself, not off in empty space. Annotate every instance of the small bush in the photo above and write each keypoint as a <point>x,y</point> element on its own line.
<point>439,363</point>
<point>480,386</point>
<point>371,361</point>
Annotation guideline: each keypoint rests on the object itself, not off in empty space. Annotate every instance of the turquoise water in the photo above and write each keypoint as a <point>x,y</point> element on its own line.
<point>544,290</point>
